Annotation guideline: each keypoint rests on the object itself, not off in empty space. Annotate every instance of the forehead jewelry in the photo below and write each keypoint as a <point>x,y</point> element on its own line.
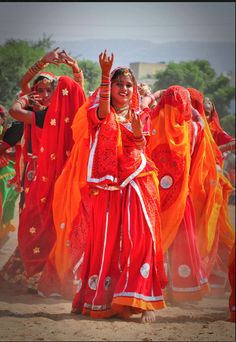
<point>127,72</point>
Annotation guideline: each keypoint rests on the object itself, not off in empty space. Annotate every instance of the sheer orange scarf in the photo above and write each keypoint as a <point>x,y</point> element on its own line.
<point>209,191</point>
<point>169,148</point>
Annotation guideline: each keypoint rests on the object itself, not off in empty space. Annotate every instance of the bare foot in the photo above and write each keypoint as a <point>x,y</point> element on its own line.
<point>148,317</point>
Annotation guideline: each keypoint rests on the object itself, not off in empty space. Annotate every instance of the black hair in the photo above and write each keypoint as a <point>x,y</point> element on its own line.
<point>123,71</point>
<point>42,77</point>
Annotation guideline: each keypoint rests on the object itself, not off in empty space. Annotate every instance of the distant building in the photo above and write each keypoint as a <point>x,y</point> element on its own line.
<point>146,71</point>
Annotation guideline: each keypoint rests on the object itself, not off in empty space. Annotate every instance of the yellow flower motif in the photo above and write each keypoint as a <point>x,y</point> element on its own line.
<point>68,153</point>
<point>44,179</point>
<point>26,190</point>
<point>67,119</point>
<point>65,92</point>
<point>41,149</point>
<point>53,122</point>
<point>36,250</point>
<point>43,199</point>
<point>32,230</point>
<point>53,157</point>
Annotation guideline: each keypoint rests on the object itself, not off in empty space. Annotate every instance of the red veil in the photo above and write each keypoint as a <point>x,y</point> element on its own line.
<point>36,233</point>
<point>219,135</point>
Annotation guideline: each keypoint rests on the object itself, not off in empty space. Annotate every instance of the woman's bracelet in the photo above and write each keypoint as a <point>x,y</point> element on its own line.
<point>35,68</point>
<point>77,73</point>
<point>140,138</point>
<point>23,101</point>
<point>105,88</point>
<point>140,142</point>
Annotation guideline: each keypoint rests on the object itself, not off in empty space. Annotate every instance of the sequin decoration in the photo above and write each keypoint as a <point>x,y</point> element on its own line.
<point>65,92</point>
<point>166,182</point>
<point>144,270</point>
<point>93,282</point>
<point>184,271</point>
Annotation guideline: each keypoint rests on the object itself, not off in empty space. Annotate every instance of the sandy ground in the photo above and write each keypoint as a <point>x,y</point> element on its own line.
<point>33,318</point>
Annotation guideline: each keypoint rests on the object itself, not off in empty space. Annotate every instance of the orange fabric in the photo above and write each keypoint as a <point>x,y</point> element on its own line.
<point>205,191</point>
<point>197,103</point>
<point>192,296</point>
<point>209,187</point>
<point>36,231</point>
<point>67,192</point>
<point>205,194</point>
<point>170,139</point>
<point>137,303</point>
<point>227,232</point>
<point>70,184</point>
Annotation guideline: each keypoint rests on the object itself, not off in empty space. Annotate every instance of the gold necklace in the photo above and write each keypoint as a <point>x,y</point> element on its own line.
<point>122,113</point>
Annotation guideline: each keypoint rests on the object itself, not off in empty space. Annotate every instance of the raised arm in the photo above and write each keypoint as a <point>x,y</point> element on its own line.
<point>196,116</point>
<point>230,146</point>
<point>105,87</point>
<point>18,111</point>
<point>149,99</point>
<point>52,57</point>
<point>77,71</point>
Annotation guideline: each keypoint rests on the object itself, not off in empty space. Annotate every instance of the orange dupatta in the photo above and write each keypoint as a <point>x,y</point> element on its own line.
<point>169,148</point>
<point>206,184</point>
<point>67,193</point>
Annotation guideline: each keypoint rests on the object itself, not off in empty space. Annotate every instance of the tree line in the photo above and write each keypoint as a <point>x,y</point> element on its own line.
<point>16,56</point>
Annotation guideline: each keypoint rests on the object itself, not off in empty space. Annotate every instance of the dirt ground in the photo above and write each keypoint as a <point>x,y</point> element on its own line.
<point>33,318</point>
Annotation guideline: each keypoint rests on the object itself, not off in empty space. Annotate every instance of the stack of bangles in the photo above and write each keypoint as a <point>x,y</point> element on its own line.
<point>140,141</point>
<point>105,88</point>
<point>37,67</point>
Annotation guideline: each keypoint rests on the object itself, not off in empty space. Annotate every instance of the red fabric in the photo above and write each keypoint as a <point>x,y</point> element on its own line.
<point>105,259</point>
<point>219,135</point>
<point>36,231</point>
<point>169,148</point>
<point>177,97</point>
<point>124,235</point>
<point>169,164</point>
<point>108,160</point>
<point>187,277</point>
<point>197,101</point>
<point>50,282</point>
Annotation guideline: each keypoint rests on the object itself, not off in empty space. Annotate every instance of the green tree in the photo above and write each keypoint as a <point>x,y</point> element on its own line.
<point>92,74</point>
<point>200,75</point>
<point>228,124</point>
<point>16,56</point>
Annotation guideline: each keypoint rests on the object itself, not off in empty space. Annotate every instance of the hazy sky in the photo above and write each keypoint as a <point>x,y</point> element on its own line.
<point>153,21</point>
